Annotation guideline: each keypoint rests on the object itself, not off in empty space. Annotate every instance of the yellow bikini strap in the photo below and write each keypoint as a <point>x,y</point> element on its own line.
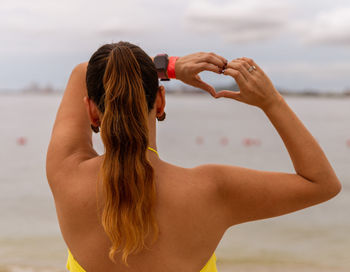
<point>155,151</point>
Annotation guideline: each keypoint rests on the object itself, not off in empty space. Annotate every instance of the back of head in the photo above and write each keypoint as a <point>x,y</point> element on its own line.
<point>122,81</point>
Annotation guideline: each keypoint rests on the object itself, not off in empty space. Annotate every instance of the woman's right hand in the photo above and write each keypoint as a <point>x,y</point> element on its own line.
<point>255,87</point>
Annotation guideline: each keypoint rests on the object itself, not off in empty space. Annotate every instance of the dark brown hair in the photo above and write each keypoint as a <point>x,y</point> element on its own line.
<point>122,81</point>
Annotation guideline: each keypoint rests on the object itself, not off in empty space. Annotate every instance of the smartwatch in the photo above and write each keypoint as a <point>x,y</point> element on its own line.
<point>161,61</point>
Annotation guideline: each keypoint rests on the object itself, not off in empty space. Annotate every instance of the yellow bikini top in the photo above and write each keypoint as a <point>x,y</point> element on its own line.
<point>74,266</point>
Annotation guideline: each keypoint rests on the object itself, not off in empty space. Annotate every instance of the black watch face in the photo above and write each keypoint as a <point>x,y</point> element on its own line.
<point>161,62</point>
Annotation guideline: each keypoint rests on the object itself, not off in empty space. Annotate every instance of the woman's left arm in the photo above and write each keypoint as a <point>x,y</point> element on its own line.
<point>71,138</point>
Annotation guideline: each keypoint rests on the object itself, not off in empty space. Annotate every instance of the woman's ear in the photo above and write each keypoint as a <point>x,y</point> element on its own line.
<point>160,101</point>
<point>92,111</point>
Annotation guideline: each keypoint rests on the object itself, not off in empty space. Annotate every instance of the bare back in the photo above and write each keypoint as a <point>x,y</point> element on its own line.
<point>187,213</point>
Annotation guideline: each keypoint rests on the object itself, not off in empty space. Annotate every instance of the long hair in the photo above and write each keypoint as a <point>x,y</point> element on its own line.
<point>122,81</point>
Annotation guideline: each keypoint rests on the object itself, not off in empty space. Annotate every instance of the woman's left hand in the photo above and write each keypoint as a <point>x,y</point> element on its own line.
<point>188,67</point>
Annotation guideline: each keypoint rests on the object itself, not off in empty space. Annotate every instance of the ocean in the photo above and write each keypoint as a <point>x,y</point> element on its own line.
<point>197,130</point>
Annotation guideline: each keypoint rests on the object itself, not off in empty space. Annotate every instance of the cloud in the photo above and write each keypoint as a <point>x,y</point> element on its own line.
<point>327,28</point>
<point>63,26</point>
<point>239,20</point>
<point>41,40</point>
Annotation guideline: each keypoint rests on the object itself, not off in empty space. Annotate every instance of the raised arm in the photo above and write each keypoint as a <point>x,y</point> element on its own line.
<point>247,194</point>
<point>71,138</point>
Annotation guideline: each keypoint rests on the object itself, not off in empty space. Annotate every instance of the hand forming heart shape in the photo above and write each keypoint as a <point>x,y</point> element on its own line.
<point>255,87</point>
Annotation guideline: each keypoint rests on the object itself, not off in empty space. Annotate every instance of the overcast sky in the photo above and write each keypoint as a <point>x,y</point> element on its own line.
<point>300,43</point>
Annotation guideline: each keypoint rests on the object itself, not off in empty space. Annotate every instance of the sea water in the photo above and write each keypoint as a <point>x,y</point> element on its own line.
<point>197,130</point>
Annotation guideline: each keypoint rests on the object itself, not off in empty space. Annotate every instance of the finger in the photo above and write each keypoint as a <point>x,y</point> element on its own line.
<point>251,62</point>
<point>237,75</point>
<point>220,57</point>
<point>229,94</point>
<point>204,86</point>
<point>207,67</point>
<point>241,66</point>
<point>211,58</point>
<point>244,63</point>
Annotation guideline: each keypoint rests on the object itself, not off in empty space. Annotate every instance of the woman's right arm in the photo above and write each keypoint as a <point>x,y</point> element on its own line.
<point>247,194</point>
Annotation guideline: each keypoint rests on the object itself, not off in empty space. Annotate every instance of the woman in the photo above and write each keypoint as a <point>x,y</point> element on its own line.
<point>128,210</point>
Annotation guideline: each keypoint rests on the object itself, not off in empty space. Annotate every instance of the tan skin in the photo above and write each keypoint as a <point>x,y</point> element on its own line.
<point>195,205</point>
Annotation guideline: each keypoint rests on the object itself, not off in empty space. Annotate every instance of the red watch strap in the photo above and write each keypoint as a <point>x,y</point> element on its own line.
<point>171,67</point>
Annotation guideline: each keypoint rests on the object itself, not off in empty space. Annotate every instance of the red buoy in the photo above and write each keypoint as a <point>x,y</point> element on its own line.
<point>21,141</point>
<point>224,141</point>
<point>199,140</point>
<point>251,142</point>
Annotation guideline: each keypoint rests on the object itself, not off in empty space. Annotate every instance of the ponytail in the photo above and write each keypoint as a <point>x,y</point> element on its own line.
<point>129,192</point>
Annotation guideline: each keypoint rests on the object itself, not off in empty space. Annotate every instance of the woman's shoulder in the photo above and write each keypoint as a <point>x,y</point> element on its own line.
<point>199,182</point>
<point>193,194</point>
<point>201,175</point>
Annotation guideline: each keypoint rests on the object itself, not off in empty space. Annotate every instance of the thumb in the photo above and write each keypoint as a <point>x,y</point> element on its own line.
<point>229,94</point>
<point>204,86</point>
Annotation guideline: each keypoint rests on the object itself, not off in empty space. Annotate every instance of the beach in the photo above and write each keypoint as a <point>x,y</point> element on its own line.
<point>277,268</point>
<point>201,130</point>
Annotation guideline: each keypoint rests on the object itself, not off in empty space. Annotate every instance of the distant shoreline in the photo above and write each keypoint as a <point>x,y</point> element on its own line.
<point>189,91</point>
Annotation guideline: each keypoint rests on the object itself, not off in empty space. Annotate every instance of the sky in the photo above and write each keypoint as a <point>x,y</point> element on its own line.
<point>301,44</point>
